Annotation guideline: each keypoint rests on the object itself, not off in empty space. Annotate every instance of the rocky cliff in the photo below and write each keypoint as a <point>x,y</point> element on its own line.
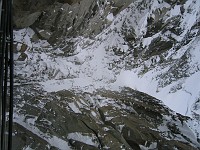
<point>80,65</point>
<point>101,120</point>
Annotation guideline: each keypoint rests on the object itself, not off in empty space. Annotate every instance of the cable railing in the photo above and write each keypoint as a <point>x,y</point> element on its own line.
<point>6,74</point>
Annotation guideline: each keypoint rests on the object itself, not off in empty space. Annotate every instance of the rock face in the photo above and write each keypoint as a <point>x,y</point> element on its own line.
<point>65,17</point>
<point>58,18</point>
<point>102,120</point>
<point>80,65</point>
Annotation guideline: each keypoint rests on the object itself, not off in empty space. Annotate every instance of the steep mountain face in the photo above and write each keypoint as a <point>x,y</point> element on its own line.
<point>80,65</point>
<point>101,120</point>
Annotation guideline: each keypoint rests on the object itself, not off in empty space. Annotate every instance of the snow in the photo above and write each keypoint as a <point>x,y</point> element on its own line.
<point>184,129</point>
<point>175,11</point>
<point>147,41</point>
<point>24,36</point>
<point>27,148</point>
<point>94,66</point>
<point>110,17</point>
<point>109,118</point>
<point>83,138</point>
<point>153,145</point>
<point>93,113</point>
<point>69,28</point>
<point>59,143</point>
<point>52,140</point>
<point>74,107</point>
<point>89,68</point>
<point>179,101</point>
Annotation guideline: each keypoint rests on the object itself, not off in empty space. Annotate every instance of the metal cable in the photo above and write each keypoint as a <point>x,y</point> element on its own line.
<point>11,78</point>
<point>6,74</point>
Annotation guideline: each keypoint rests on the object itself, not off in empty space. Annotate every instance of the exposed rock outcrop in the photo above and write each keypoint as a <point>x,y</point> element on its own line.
<point>103,120</point>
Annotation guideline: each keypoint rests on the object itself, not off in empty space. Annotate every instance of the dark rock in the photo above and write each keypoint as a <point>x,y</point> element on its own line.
<point>132,121</point>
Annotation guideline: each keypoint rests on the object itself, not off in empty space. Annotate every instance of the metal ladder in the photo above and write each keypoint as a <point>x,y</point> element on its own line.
<point>6,74</point>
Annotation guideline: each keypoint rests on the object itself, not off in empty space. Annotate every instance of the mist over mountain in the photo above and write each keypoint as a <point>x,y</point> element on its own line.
<point>94,74</point>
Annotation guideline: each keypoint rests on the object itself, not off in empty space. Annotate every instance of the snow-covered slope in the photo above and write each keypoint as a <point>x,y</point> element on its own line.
<point>148,45</point>
<point>167,65</point>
